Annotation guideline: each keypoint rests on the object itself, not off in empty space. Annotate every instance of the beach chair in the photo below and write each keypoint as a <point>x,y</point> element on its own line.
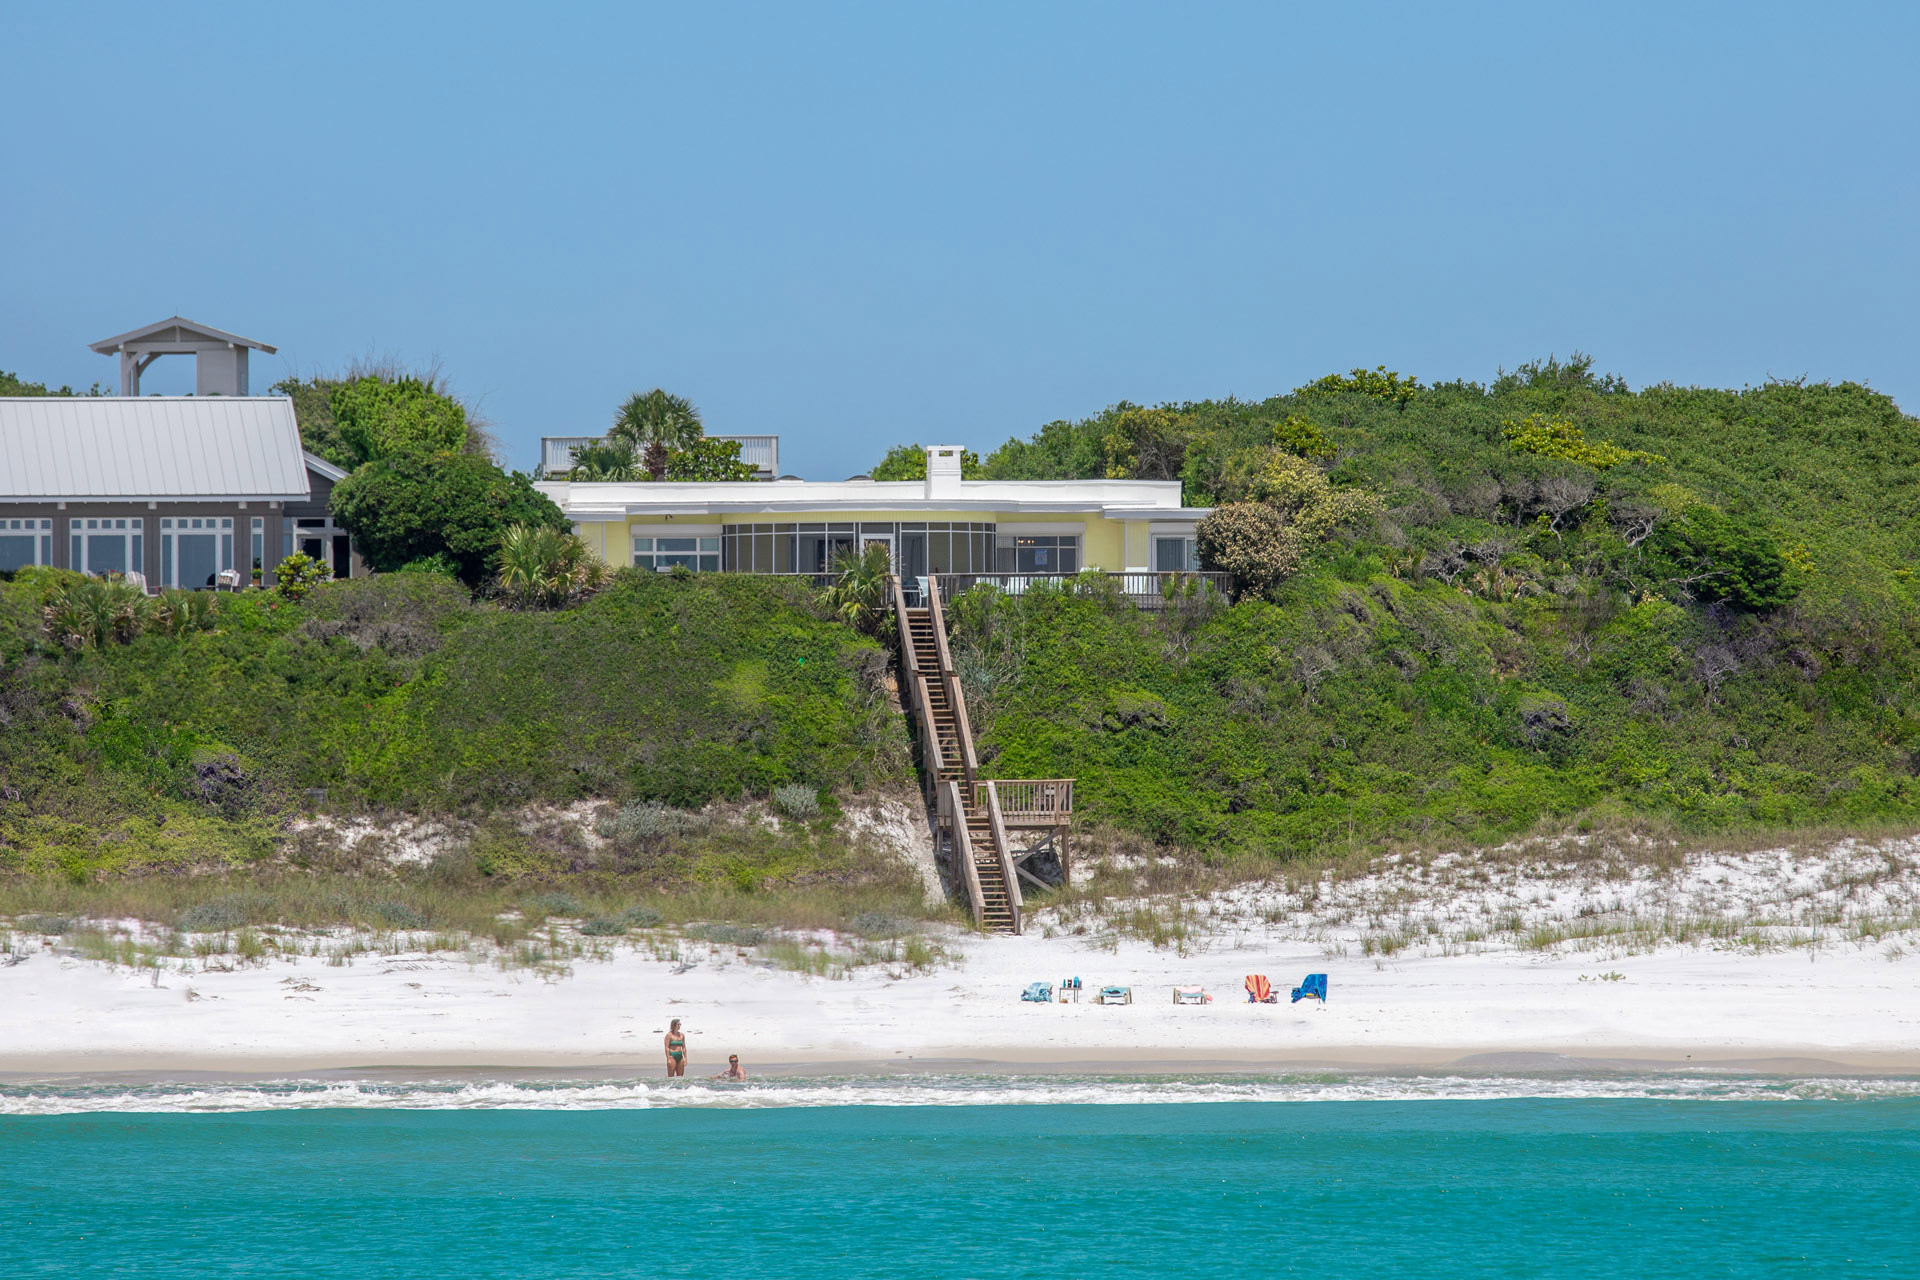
<point>1038,992</point>
<point>1315,986</point>
<point>1116,995</point>
<point>1259,990</point>
<point>1191,995</point>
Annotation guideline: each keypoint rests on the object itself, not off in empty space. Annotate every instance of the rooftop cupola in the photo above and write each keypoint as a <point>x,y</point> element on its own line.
<point>219,357</point>
<point>943,471</point>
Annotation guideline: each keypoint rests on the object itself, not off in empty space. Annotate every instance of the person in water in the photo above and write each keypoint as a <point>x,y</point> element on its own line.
<point>676,1050</point>
<point>734,1070</point>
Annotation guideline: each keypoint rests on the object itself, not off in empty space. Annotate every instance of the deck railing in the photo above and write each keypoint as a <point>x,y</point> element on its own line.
<point>1024,801</point>
<point>1149,590</point>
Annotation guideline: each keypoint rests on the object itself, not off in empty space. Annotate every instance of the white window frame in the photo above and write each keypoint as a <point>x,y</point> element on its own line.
<point>1058,536</point>
<point>703,556</point>
<point>82,530</point>
<point>1190,554</point>
<point>292,532</point>
<point>172,528</point>
<point>36,530</point>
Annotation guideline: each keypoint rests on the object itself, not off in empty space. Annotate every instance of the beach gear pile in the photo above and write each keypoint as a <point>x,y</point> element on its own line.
<point>1259,991</point>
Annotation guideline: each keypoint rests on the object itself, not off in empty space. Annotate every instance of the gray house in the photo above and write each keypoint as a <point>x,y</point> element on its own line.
<point>175,488</point>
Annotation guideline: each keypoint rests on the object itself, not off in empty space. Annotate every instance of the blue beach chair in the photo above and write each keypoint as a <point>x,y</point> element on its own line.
<point>1038,992</point>
<point>1315,986</point>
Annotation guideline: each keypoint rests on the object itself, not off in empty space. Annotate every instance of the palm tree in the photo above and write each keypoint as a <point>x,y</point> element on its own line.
<point>605,460</point>
<point>544,568</point>
<point>858,597</point>
<point>657,422</point>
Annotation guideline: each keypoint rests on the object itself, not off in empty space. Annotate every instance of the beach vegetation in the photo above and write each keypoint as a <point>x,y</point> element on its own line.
<point>406,507</point>
<point>657,423</point>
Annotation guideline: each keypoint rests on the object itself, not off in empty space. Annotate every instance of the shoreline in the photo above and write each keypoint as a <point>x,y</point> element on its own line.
<point>1525,1061</point>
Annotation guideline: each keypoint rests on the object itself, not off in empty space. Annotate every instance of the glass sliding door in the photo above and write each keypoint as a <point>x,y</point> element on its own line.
<point>194,550</point>
<point>101,545</point>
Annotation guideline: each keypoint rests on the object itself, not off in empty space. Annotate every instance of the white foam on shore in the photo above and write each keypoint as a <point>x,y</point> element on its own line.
<point>936,1091</point>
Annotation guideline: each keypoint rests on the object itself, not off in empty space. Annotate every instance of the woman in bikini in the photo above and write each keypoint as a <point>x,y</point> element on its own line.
<point>676,1050</point>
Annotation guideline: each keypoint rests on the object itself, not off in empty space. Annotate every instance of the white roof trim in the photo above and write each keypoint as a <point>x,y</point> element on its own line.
<point>317,463</point>
<point>107,346</point>
<point>1114,499</point>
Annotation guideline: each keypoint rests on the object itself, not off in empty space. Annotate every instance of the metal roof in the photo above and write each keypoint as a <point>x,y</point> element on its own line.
<point>164,448</point>
<point>176,329</point>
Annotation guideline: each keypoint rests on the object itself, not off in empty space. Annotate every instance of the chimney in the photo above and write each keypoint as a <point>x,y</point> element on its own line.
<point>943,471</point>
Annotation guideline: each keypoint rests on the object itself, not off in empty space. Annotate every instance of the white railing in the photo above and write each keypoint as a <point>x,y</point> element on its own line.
<point>762,453</point>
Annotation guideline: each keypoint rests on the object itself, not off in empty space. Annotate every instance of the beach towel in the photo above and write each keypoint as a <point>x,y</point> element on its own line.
<point>1259,990</point>
<point>1315,986</point>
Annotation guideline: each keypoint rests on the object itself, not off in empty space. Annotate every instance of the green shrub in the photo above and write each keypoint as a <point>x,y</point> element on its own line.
<point>395,914</point>
<point>729,935</point>
<point>1250,541</point>
<point>407,507</point>
<point>802,804</point>
<point>296,576</point>
<point>379,417</point>
<point>602,927</point>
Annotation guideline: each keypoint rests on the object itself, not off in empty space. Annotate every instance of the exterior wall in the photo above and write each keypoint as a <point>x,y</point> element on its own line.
<point>1108,545</point>
<point>319,505</point>
<point>149,515</point>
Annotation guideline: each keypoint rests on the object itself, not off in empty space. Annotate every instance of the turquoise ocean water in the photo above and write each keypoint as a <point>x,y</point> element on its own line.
<point>1743,1178</point>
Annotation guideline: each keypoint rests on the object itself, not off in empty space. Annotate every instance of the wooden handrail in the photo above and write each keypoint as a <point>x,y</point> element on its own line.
<point>1005,856</point>
<point>929,735</point>
<point>969,764</point>
<point>905,633</point>
<point>963,852</point>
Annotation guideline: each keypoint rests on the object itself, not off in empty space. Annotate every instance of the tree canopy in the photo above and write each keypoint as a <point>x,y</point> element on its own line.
<point>909,462</point>
<point>657,422</point>
<point>412,506</point>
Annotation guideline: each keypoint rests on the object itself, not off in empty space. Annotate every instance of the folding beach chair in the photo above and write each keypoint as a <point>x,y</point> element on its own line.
<point>1315,986</point>
<point>1259,990</point>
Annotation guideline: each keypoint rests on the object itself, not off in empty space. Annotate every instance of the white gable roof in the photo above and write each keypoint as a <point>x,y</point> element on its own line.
<point>112,448</point>
<point>176,330</point>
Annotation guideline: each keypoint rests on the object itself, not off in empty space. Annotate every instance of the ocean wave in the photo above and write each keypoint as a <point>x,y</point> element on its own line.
<point>919,1091</point>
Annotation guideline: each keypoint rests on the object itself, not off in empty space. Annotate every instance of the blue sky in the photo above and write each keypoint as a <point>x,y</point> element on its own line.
<point>858,225</point>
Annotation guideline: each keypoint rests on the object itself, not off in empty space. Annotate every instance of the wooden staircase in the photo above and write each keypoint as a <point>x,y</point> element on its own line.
<point>967,814</point>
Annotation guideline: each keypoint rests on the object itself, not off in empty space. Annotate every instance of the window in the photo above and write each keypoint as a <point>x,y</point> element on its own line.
<point>1175,555</point>
<point>106,545</point>
<point>702,555</point>
<point>812,548</point>
<point>258,550</point>
<point>194,550</point>
<point>1040,553</point>
<point>25,542</point>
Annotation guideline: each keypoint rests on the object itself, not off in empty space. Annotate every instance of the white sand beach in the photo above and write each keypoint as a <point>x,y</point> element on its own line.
<point>1781,992</point>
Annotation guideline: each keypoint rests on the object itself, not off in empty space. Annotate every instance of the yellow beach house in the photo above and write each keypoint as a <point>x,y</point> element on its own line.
<point>1009,531</point>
